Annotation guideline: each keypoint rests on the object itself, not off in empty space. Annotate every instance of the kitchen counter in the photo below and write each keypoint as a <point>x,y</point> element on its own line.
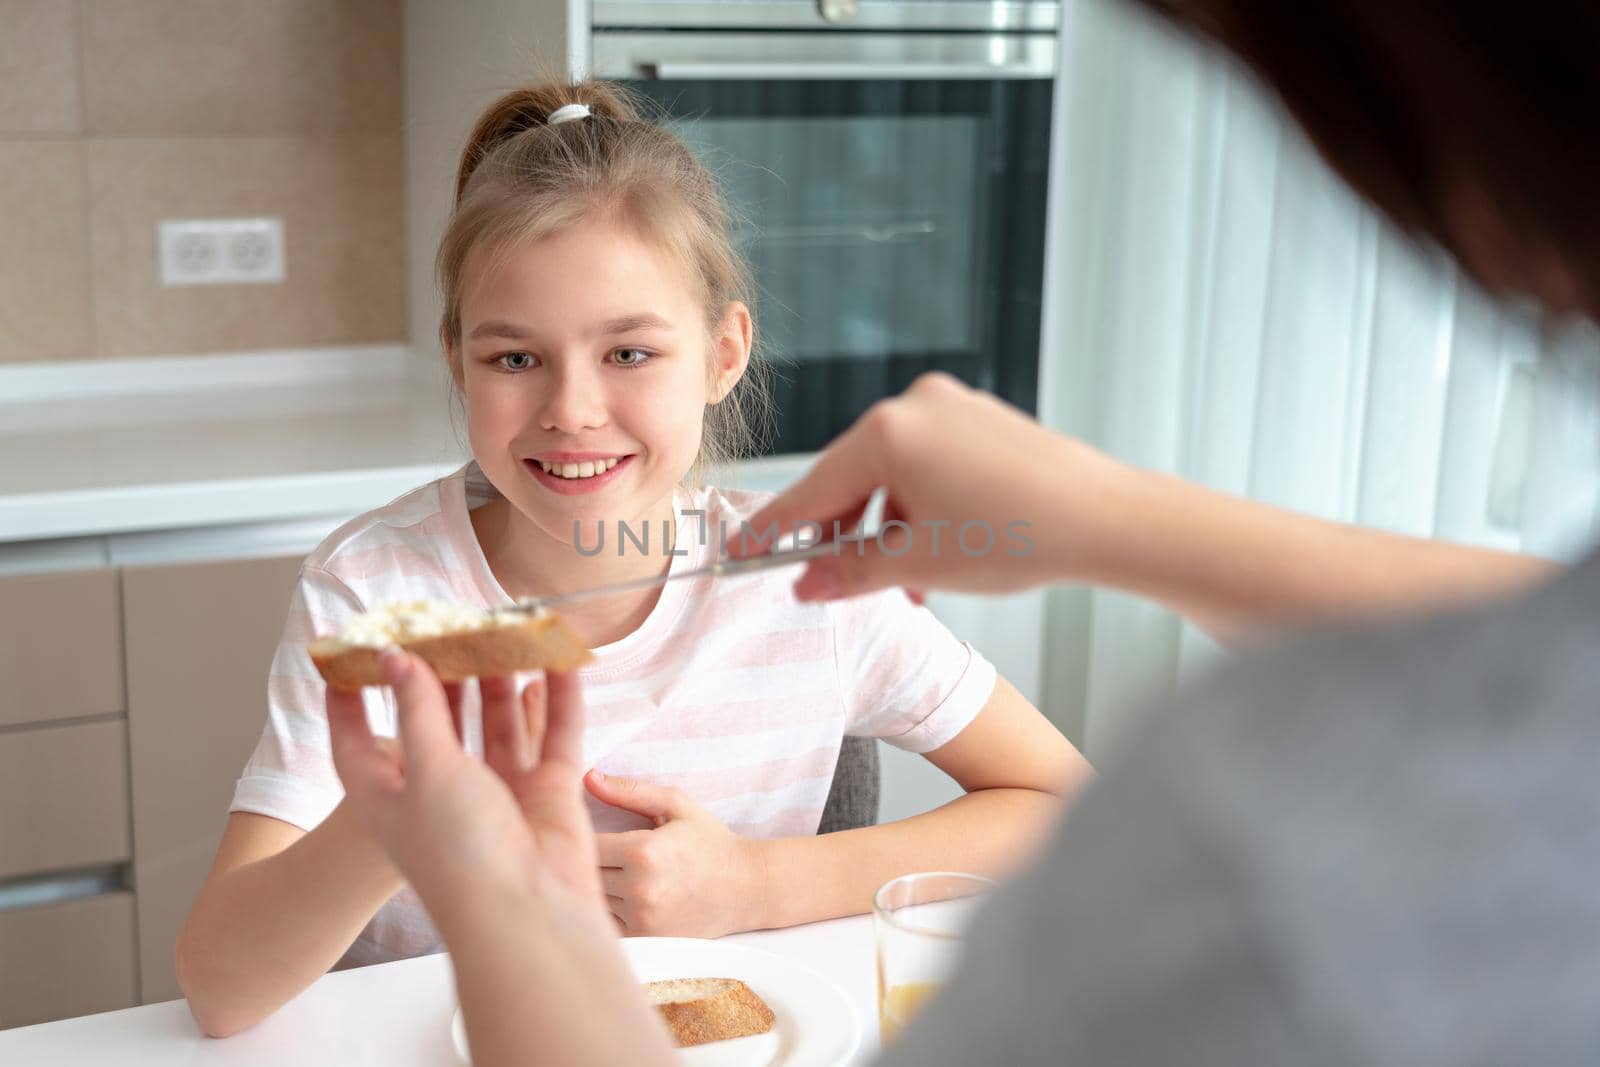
<point>203,471</point>
<point>227,452</point>
<point>202,455</point>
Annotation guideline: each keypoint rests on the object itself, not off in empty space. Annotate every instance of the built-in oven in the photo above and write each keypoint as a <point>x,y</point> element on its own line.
<point>887,163</point>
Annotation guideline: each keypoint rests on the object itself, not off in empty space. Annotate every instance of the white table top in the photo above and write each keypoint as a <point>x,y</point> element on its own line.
<point>389,1015</point>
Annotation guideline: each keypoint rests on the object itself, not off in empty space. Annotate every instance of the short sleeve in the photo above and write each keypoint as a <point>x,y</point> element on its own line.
<point>290,776</point>
<point>905,677</point>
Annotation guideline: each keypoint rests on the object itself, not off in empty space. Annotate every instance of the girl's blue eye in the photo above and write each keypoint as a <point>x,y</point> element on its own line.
<point>631,357</point>
<point>516,361</point>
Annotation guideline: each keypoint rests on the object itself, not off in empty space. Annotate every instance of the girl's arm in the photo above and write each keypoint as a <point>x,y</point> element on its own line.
<point>278,909</point>
<point>1017,769</point>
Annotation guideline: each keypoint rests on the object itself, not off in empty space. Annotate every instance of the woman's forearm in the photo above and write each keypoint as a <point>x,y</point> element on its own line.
<point>988,831</point>
<point>264,931</point>
<point>1235,566</point>
<point>543,979</point>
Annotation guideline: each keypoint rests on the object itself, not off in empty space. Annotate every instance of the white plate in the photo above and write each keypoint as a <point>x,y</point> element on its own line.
<point>816,1025</point>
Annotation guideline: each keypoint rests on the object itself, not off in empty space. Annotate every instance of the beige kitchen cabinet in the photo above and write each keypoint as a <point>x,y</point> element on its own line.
<point>200,639</point>
<point>60,646</point>
<point>63,798</point>
<point>62,960</point>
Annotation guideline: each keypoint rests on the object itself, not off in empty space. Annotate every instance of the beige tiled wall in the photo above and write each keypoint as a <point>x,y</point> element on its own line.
<point>116,114</point>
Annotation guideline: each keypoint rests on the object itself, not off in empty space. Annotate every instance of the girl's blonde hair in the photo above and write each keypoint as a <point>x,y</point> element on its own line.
<point>522,179</point>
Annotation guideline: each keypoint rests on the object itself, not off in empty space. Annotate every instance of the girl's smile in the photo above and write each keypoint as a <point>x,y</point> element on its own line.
<point>574,473</point>
<point>583,348</point>
<point>587,366</point>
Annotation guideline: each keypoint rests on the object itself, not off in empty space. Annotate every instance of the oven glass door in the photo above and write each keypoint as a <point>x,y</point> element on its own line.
<point>895,226</point>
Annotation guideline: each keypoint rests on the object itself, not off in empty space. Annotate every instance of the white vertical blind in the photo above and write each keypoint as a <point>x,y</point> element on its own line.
<point>1220,306</point>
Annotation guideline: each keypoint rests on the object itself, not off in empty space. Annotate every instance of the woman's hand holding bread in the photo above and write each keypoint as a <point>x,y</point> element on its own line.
<point>452,823</point>
<point>503,854</point>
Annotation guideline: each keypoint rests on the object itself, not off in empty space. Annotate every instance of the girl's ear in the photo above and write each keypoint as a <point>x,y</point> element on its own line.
<point>734,337</point>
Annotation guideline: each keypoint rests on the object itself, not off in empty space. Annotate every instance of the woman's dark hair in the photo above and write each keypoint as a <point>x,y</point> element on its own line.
<point>1419,101</point>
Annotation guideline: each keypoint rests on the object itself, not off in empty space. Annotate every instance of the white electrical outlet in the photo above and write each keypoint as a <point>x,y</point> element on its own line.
<point>220,251</point>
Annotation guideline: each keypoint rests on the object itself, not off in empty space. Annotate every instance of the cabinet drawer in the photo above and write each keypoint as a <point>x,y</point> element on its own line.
<point>63,798</point>
<point>60,646</point>
<point>200,644</point>
<point>63,960</point>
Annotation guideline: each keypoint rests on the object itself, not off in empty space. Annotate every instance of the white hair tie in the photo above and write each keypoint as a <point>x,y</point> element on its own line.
<point>568,112</point>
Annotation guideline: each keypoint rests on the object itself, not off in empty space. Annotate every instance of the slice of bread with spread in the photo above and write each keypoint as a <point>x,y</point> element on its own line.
<point>457,641</point>
<point>701,1010</point>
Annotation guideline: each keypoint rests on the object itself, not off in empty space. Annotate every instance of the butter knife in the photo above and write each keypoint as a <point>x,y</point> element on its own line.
<point>869,526</point>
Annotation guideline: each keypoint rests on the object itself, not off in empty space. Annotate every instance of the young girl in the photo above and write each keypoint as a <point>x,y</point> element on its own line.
<point>597,327</point>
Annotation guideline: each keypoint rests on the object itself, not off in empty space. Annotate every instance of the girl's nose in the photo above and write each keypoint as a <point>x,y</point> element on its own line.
<point>576,400</point>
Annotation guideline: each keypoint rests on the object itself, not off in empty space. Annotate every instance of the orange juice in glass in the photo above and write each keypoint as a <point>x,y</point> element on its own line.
<point>918,922</point>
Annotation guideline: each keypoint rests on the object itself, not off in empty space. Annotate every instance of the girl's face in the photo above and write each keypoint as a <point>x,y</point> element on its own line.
<point>584,364</point>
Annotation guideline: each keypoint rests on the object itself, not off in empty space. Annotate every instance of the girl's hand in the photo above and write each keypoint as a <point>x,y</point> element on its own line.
<point>986,499</point>
<point>689,876</point>
<point>455,828</point>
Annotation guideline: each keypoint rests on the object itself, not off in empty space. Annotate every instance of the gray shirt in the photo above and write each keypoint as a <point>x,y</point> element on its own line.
<point>1373,848</point>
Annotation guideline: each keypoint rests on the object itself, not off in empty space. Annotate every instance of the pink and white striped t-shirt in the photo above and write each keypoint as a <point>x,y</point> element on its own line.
<point>730,691</point>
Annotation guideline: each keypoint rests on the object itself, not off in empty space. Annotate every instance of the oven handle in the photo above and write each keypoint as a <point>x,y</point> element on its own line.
<point>674,71</point>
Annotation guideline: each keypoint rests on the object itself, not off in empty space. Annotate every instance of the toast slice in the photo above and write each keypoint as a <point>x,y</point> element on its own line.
<point>458,642</point>
<point>700,1010</point>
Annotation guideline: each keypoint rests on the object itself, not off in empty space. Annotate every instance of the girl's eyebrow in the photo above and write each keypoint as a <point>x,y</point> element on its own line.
<point>628,323</point>
<point>643,320</point>
<point>496,328</point>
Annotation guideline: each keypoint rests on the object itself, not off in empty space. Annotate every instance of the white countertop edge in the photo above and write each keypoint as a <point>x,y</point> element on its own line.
<point>108,510</point>
<point>126,377</point>
<point>121,509</point>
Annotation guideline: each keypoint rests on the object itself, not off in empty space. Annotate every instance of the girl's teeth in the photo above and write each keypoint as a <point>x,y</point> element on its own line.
<point>586,469</point>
